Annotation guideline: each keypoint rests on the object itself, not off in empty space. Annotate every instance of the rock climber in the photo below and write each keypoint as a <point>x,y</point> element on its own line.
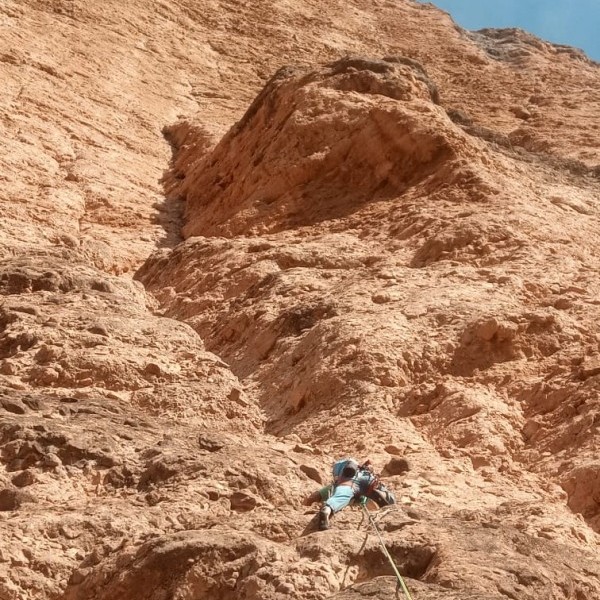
<point>351,481</point>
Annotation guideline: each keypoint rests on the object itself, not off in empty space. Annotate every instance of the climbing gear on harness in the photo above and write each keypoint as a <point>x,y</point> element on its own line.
<point>324,515</point>
<point>400,584</point>
<point>376,489</point>
<point>374,484</point>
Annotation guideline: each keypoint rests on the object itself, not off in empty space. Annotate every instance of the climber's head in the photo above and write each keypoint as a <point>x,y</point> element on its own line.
<point>344,469</point>
<point>349,471</point>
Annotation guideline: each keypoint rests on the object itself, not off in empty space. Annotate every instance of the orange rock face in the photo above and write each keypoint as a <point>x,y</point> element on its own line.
<point>373,234</point>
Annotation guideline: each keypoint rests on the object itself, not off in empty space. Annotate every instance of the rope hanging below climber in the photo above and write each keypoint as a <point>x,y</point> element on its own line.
<point>401,584</point>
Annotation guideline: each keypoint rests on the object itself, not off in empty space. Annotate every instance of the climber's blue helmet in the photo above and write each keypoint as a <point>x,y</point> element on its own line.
<point>346,468</point>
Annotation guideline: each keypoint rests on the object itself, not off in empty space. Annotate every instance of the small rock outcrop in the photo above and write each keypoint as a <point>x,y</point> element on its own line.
<point>315,146</point>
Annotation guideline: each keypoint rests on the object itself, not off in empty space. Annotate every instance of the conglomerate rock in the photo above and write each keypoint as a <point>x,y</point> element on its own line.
<point>376,236</point>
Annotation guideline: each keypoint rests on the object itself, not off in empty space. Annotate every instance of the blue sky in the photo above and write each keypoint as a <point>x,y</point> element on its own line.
<point>572,22</point>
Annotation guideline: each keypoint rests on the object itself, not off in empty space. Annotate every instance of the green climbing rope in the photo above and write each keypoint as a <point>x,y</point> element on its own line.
<point>386,553</point>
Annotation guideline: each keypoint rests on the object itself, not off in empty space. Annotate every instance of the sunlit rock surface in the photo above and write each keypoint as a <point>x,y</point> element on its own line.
<point>240,240</point>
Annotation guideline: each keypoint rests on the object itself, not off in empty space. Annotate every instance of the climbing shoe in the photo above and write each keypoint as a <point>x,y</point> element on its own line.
<point>383,496</point>
<point>324,515</point>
